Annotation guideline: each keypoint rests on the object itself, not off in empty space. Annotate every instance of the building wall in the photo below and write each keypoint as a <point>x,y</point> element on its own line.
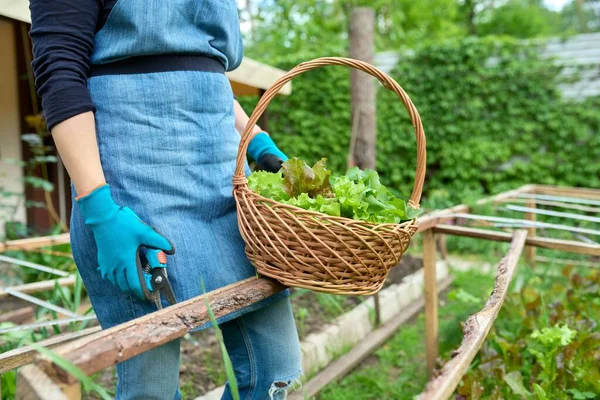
<point>581,51</point>
<point>10,145</point>
<point>580,54</point>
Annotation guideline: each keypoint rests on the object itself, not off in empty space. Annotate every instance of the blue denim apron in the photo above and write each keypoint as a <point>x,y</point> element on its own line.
<point>168,146</point>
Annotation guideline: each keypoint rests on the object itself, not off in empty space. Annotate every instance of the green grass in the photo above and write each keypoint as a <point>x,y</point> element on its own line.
<point>397,370</point>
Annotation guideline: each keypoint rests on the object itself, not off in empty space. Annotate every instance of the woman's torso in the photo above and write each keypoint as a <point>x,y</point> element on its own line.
<point>130,28</point>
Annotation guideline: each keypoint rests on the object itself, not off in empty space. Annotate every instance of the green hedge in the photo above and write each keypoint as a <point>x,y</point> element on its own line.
<point>492,112</point>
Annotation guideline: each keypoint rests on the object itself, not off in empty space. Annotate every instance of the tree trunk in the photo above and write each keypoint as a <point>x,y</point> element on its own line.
<point>364,123</point>
<point>470,14</point>
<point>581,16</point>
<point>363,142</point>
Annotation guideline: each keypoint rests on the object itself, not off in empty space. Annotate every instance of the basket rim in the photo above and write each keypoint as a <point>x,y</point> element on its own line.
<point>343,220</point>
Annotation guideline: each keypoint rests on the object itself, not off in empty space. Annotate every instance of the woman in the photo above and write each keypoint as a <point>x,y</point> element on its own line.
<point>136,98</point>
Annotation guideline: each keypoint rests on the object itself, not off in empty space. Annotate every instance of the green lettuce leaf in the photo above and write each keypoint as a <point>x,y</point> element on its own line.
<point>300,178</point>
<point>268,184</point>
<point>357,195</point>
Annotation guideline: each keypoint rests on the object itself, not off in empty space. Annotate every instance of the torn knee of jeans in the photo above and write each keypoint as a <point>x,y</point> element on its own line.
<point>279,389</point>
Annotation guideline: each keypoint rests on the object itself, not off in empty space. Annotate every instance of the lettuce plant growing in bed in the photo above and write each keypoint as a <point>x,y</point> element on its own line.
<point>357,195</point>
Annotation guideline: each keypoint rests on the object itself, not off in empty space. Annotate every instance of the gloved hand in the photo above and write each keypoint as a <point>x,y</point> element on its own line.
<point>266,154</point>
<point>119,233</point>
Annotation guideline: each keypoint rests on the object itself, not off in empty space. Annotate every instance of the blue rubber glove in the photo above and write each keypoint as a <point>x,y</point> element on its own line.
<point>119,233</point>
<point>264,151</point>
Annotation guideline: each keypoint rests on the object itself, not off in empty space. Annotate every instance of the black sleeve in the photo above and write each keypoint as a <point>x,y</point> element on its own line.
<point>63,32</point>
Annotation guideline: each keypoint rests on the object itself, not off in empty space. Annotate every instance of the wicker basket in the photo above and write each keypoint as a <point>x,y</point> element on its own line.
<point>316,251</point>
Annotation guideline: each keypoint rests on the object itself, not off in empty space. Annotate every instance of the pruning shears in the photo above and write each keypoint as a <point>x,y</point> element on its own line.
<point>152,271</point>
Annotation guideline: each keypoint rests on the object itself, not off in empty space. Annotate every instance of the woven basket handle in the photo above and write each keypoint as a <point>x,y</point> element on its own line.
<point>389,83</point>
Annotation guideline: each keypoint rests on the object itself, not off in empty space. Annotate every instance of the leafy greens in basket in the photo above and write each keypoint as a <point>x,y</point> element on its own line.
<point>357,195</point>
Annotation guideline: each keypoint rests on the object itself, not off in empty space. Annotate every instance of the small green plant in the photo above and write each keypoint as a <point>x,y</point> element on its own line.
<point>229,372</point>
<point>331,304</point>
<point>69,298</point>
<point>544,343</point>
<point>301,316</point>
<point>357,195</point>
<point>463,296</point>
<point>36,176</point>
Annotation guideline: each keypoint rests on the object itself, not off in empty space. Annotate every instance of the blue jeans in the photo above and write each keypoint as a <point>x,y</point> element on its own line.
<point>260,344</point>
<point>168,147</point>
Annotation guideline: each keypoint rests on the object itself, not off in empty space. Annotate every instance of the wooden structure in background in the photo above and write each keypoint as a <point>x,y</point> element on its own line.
<point>431,300</point>
<point>477,327</point>
<point>111,346</point>
<point>93,350</point>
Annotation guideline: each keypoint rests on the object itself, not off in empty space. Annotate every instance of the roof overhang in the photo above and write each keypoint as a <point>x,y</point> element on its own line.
<point>250,78</point>
<point>15,9</point>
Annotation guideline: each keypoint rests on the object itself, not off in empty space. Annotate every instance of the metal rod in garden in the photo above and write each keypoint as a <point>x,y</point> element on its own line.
<point>585,239</point>
<point>570,206</point>
<point>41,303</point>
<point>540,225</point>
<point>578,236</point>
<point>44,324</point>
<point>563,199</point>
<point>579,217</point>
<point>40,286</point>
<point>29,264</point>
<point>526,224</point>
<point>547,243</point>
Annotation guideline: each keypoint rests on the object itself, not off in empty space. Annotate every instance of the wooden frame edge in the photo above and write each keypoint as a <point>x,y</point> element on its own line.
<point>477,326</point>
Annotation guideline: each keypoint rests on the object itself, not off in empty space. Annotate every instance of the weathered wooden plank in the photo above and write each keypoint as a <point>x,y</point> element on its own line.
<point>111,346</point>
<point>39,286</point>
<point>442,246</point>
<point>547,243</point>
<point>346,363</point>
<point>34,384</point>
<point>18,316</point>
<point>431,300</point>
<point>35,242</point>
<point>51,252</point>
<point>25,355</point>
<point>477,327</point>
<point>530,251</point>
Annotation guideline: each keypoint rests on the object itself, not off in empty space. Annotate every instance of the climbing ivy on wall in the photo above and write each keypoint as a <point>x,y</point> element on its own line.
<point>492,112</point>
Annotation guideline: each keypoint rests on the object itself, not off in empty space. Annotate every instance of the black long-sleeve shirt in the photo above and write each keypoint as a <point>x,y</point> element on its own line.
<point>63,40</point>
